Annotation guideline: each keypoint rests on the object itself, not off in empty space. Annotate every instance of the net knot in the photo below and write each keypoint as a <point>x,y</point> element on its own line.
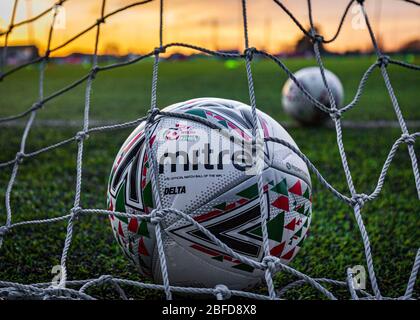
<point>383,60</point>
<point>269,262</point>
<point>76,211</point>
<point>19,157</point>
<point>159,50</point>
<point>37,105</point>
<point>152,114</point>
<point>360,199</point>
<point>249,53</point>
<point>156,216</point>
<point>3,231</point>
<point>10,28</point>
<point>408,139</point>
<point>93,72</point>
<point>47,54</point>
<point>335,114</point>
<point>317,38</point>
<point>81,135</point>
<point>360,2</point>
<point>100,20</point>
<point>105,278</point>
<point>223,291</point>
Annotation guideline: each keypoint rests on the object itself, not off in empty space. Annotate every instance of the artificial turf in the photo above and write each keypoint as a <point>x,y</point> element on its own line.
<point>46,183</point>
<point>124,93</point>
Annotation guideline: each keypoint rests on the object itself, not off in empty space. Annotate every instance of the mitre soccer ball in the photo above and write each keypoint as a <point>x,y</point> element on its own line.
<point>205,173</point>
<point>299,107</point>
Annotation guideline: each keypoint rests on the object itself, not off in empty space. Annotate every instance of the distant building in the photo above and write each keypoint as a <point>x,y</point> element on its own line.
<point>20,54</point>
<point>77,58</point>
<point>178,56</point>
<point>412,46</point>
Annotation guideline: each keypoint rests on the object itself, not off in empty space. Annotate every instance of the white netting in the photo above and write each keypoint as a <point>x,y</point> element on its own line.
<point>270,264</point>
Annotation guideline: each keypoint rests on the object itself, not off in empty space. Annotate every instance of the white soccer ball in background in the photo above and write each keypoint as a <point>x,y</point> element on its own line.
<point>299,107</point>
<point>220,194</point>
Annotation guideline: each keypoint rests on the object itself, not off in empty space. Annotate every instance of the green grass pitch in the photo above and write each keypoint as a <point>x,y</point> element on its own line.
<point>45,184</point>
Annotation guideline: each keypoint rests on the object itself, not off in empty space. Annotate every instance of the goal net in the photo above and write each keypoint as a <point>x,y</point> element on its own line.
<point>68,288</point>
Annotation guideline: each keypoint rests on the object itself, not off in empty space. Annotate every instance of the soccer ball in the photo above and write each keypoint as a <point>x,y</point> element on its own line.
<point>200,174</point>
<point>299,107</point>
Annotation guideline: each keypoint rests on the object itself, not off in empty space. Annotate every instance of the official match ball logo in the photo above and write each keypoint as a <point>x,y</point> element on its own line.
<point>59,17</point>
<point>180,132</point>
<point>171,134</point>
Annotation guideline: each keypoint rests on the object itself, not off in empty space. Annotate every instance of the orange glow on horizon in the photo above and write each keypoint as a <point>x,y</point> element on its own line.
<point>214,25</point>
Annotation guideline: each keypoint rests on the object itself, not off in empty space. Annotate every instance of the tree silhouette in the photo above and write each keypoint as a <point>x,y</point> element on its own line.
<point>304,44</point>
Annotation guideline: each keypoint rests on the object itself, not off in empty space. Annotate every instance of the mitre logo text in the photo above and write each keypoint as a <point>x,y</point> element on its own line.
<point>208,157</point>
<point>209,150</point>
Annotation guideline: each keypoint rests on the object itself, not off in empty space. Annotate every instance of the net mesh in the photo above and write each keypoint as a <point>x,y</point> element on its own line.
<point>77,289</point>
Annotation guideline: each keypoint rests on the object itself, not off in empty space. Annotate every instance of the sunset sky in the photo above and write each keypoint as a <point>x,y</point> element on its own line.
<point>213,24</point>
